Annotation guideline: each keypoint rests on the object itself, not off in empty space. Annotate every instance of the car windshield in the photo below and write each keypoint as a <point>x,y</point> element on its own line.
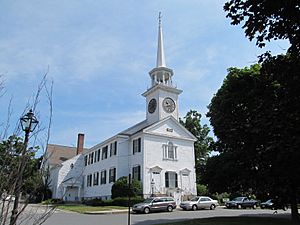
<point>148,200</point>
<point>238,199</point>
<point>194,199</point>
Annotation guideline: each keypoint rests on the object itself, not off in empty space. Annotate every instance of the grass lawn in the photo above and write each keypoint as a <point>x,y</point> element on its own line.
<point>234,221</point>
<point>85,208</point>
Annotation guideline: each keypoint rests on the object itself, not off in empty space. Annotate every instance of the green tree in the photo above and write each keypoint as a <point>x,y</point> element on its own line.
<point>268,20</point>
<point>10,151</point>
<point>256,118</point>
<point>202,146</point>
<point>121,189</point>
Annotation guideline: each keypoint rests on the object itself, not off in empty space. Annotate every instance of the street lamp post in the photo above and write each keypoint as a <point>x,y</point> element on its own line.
<point>28,123</point>
<point>129,193</point>
<point>152,187</point>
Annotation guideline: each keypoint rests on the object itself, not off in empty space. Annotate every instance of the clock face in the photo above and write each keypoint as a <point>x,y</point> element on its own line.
<point>168,105</point>
<point>152,105</point>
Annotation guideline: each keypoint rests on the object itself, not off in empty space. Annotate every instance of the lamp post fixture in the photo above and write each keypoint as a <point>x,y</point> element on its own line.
<point>152,187</point>
<point>28,123</point>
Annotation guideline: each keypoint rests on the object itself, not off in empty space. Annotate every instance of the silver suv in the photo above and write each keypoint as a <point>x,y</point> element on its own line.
<point>155,204</point>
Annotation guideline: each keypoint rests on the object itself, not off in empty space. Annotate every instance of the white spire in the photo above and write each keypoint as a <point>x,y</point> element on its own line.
<point>160,61</point>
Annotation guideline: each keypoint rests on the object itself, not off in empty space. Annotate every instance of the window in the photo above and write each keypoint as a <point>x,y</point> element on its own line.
<point>103,177</point>
<point>99,155</point>
<point>112,175</point>
<point>85,160</point>
<point>89,161</point>
<point>96,179</point>
<point>104,152</point>
<point>96,156</point>
<point>170,151</point>
<point>136,172</point>
<point>89,180</point>
<point>171,180</point>
<point>92,157</point>
<point>136,145</point>
<point>113,148</point>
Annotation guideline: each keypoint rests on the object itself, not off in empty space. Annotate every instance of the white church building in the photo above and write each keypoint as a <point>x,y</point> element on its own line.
<point>158,151</point>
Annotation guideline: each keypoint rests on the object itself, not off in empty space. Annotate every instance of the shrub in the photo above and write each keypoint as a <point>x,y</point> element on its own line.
<point>123,201</point>
<point>221,197</point>
<point>51,201</point>
<point>120,188</point>
<point>202,189</point>
<point>120,201</point>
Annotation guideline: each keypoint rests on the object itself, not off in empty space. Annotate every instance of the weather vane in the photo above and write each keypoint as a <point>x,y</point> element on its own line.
<point>159,18</point>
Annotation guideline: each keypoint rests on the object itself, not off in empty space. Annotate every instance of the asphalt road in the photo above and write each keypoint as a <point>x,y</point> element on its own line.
<point>70,218</point>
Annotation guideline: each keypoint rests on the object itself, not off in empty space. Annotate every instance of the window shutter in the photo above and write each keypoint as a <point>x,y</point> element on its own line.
<point>133,177</point>
<point>176,180</point>
<point>133,147</point>
<point>139,144</point>
<point>139,172</point>
<point>111,149</point>
<point>167,179</point>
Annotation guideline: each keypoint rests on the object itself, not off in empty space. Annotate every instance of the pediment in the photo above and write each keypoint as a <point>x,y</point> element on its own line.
<point>169,127</point>
<point>156,169</point>
<point>185,171</point>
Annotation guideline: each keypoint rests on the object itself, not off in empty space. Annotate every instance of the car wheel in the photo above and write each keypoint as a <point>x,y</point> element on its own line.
<point>146,210</point>
<point>239,206</point>
<point>194,207</point>
<point>169,208</point>
<point>212,207</point>
<point>254,206</point>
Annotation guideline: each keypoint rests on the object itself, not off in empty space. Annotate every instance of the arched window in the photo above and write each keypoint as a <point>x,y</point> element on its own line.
<point>170,151</point>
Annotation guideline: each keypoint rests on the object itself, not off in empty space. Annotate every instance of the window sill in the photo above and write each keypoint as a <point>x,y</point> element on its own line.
<point>167,159</point>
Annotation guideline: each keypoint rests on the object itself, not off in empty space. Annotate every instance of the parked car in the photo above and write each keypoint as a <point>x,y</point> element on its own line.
<point>241,202</point>
<point>155,204</point>
<point>199,202</point>
<point>274,204</point>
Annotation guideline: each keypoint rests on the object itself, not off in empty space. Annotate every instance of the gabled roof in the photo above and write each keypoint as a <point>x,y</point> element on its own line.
<point>57,154</point>
<point>169,127</point>
<point>135,129</point>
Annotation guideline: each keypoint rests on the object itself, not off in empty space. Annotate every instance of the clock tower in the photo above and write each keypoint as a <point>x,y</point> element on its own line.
<point>162,96</point>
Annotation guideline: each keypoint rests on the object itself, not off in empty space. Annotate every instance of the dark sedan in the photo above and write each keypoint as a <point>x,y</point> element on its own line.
<point>241,202</point>
<point>274,204</point>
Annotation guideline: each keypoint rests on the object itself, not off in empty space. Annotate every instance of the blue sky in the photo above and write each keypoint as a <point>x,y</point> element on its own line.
<point>99,54</point>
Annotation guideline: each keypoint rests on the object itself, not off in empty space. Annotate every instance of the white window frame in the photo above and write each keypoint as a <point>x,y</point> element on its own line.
<point>170,151</point>
<point>137,145</point>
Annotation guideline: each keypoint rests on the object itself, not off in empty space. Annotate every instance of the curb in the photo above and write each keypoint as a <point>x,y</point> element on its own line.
<point>106,212</point>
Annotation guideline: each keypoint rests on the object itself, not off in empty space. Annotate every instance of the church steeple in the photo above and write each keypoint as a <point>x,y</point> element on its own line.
<point>161,74</point>
<point>160,61</point>
<point>162,96</point>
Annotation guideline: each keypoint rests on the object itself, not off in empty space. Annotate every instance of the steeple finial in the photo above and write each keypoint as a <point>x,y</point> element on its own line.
<point>160,61</point>
<point>159,19</point>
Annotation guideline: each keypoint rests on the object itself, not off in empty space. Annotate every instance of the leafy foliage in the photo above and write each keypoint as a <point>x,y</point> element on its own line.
<point>203,144</point>
<point>121,188</point>
<point>256,117</point>
<point>10,153</point>
<point>119,201</point>
<point>202,189</point>
<point>268,19</point>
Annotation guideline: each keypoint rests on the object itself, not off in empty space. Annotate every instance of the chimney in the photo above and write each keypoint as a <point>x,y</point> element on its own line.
<point>80,142</point>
